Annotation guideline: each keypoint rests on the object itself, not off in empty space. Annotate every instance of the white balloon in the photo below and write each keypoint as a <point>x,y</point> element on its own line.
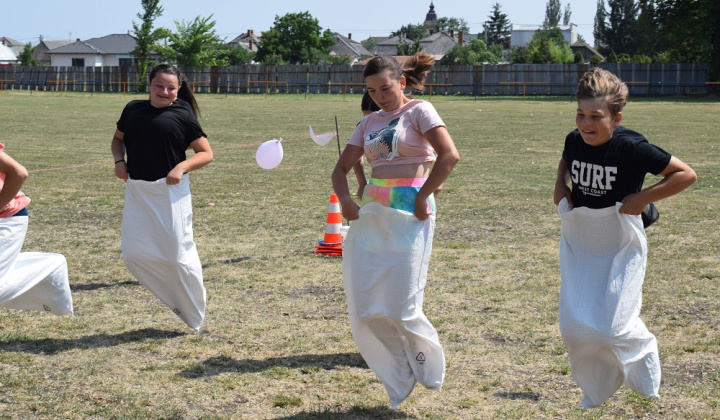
<point>321,139</point>
<point>269,154</point>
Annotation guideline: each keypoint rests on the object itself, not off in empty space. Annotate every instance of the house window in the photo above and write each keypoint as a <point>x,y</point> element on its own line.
<point>78,62</point>
<point>126,62</point>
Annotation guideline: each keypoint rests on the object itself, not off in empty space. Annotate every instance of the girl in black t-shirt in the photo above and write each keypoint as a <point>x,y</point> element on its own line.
<point>156,146</point>
<point>157,238</point>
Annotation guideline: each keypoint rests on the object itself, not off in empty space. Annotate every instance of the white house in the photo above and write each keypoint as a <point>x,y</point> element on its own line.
<point>7,55</point>
<point>110,50</point>
<point>520,35</point>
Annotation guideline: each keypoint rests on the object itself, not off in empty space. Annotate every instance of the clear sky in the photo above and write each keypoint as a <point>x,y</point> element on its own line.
<point>84,19</point>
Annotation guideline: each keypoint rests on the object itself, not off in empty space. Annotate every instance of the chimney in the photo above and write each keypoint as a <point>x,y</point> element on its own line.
<point>452,33</point>
<point>249,32</point>
<point>350,36</point>
<point>460,37</point>
<point>251,44</point>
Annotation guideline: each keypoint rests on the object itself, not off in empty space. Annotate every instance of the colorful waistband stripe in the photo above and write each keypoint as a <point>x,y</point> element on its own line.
<point>397,182</point>
<point>396,193</point>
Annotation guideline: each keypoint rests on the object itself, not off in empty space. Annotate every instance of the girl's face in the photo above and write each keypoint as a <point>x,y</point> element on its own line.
<point>386,91</point>
<point>163,90</point>
<point>595,122</point>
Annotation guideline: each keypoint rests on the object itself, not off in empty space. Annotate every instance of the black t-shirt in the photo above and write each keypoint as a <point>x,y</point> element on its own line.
<point>156,138</point>
<point>603,175</point>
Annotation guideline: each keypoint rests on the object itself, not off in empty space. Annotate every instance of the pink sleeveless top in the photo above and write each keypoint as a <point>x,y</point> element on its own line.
<point>16,204</point>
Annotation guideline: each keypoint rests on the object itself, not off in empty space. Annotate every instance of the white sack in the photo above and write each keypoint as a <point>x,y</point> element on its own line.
<point>158,247</point>
<point>385,262</point>
<point>602,266</point>
<point>35,281</point>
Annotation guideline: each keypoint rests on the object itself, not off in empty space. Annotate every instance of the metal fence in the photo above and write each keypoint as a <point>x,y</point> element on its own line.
<point>657,79</point>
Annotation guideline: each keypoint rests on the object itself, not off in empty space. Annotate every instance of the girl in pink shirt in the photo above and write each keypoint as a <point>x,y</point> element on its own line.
<point>387,248</point>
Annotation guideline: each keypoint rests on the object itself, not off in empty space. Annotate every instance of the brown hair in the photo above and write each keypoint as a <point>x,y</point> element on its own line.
<point>415,68</point>
<point>598,83</point>
<point>367,104</point>
<point>184,91</point>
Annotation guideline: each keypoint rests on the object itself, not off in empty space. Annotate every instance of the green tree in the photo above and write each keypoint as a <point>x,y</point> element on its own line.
<point>497,27</point>
<point>618,32</point>
<point>235,55</point>
<point>599,25</point>
<point>194,44</point>
<point>546,46</point>
<point>641,58</point>
<point>543,53</point>
<point>335,60</point>
<point>412,32</point>
<point>369,44</point>
<point>566,15</point>
<point>689,30</point>
<point>26,57</point>
<point>520,54</point>
<point>474,52</point>
<point>296,37</point>
<point>407,48</point>
<point>446,24</point>
<point>146,37</point>
<point>552,14</point>
<point>646,27</point>
<point>274,60</point>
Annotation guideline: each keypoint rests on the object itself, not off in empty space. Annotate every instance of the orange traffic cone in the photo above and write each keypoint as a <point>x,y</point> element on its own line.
<point>332,242</point>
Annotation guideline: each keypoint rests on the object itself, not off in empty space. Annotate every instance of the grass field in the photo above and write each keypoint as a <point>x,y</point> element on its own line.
<point>277,341</point>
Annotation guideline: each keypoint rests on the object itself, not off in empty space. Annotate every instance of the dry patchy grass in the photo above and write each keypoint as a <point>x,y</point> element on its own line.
<point>277,341</point>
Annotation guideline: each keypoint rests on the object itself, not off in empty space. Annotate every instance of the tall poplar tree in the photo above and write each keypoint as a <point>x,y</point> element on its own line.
<point>552,14</point>
<point>567,14</point>
<point>599,26</point>
<point>146,37</point>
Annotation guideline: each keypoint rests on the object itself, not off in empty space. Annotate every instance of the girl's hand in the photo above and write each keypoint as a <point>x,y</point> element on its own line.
<point>350,210</point>
<point>360,191</point>
<point>121,170</point>
<point>420,210</point>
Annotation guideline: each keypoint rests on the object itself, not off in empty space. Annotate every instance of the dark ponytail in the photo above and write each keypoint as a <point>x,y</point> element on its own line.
<point>184,92</point>
<point>415,68</point>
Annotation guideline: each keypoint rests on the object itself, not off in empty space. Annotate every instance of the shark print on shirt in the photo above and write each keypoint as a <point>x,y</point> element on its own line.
<point>383,144</point>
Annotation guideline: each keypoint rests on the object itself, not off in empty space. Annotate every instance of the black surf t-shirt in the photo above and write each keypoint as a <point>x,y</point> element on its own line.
<point>603,175</point>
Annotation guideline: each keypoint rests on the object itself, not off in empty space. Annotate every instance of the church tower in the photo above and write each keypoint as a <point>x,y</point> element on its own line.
<point>431,15</point>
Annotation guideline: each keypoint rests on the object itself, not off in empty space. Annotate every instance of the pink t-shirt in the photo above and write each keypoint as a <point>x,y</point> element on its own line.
<point>397,137</point>
<point>16,204</point>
